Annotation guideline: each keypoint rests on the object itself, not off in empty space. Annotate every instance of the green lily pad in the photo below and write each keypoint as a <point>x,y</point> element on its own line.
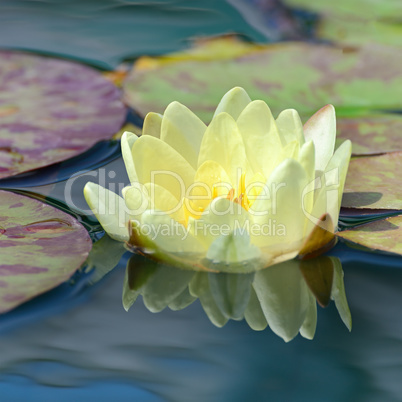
<point>373,134</point>
<point>293,75</point>
<point>374,182</point>
<point>368,9</point>
<point>40,247</point>
<point>356,22</point>
<point>355,31</point>
<point>52,110</point>
<point>385,235</point>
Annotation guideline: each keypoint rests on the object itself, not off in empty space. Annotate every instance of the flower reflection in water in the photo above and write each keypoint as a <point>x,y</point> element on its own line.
<point>283,297</point>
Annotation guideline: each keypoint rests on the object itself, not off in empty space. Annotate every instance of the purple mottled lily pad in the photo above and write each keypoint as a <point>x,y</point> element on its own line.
<point>374,183</point>
<point>40,247</point>
<point>385,235</point>
<point>51,110</point>
<point>372,134</point>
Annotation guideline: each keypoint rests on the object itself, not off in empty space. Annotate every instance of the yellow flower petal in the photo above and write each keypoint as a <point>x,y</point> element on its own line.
<point>210,181</point>
<point>160,232</point>
<point>254,187</point>
<point>109,209</point>
<point>163,200</point>
<point>220,218</point>
<point>278,209</point>
<point>127,141</point>
<point>339,162</point>
<point>260,136</point>
<point>321,128</point>
<point>232,249</point>
<point>307,160</point>
<point>290,126</point>
<point>157,162</point>
<point>152,125</point>
<point>223,144</point>
<point>233,102</point>
<point>290,150</point>
<point>331,183</point>
<point>319,237</point>
<point>183,131</point>
<point>136,198</point>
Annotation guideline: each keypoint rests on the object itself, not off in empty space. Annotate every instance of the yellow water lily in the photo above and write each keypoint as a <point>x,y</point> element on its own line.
<point>243,193</point>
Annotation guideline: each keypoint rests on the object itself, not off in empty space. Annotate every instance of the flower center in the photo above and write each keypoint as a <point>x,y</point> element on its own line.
<point>241,198</point>
<point>244,196</point>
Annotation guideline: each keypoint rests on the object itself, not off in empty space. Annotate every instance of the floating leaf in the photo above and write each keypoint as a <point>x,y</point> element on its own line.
<point>40,247</point>
<point>357,31</point>
<point>356,22</point>
<point>293,75</point>
<point>374,182</point>
<point>51,110</point>
<point>385,235</point>
<point>372,134</point>
<point>368,9</point>
<point>204,49</point>
<point>99,155</point>
<point>353,216</point>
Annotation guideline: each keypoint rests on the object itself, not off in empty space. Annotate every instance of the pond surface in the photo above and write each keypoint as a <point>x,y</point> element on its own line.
<point>78,342</point>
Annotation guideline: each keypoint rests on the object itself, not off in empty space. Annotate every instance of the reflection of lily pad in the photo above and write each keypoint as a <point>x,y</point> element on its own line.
<point>295,75</point>
<point>385,235</point>
<point>374,182</point>
<point>40,247</point>
<point>51,110</point>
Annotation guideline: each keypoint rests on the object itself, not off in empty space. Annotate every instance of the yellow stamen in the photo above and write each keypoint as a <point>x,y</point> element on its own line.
<point>214,191</point>
<point>242,184</point>
<point>231,194</point>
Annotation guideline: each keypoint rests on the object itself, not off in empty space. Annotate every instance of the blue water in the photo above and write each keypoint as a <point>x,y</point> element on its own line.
<point>85,345</point>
